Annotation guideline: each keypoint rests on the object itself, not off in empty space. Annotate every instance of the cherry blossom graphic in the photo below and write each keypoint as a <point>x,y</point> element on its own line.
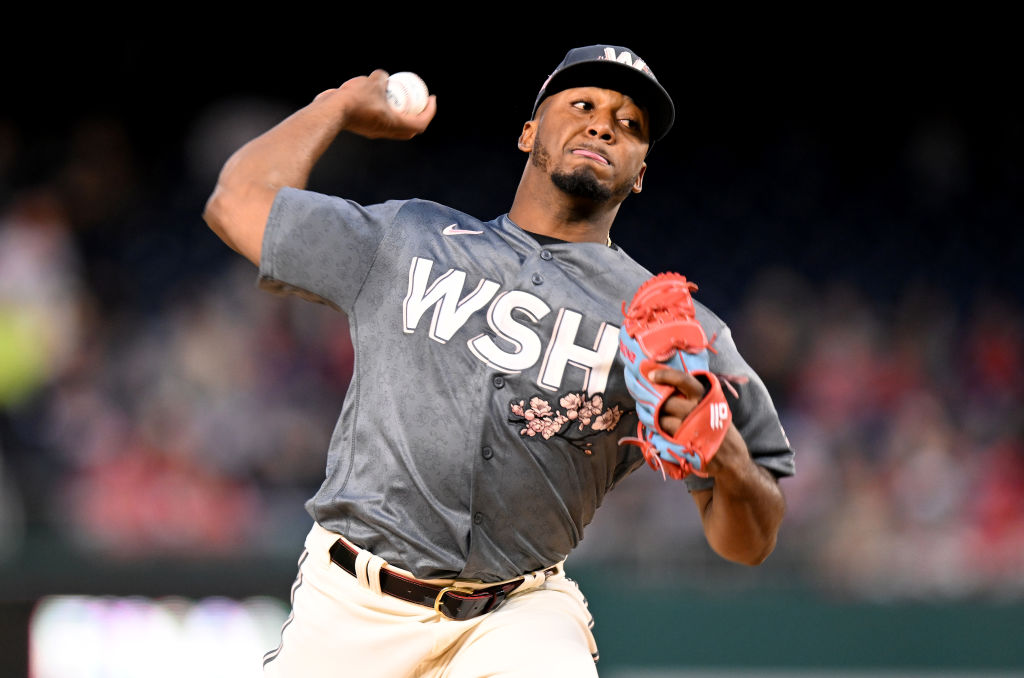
<point>607,420</point>
<point>583,414</point>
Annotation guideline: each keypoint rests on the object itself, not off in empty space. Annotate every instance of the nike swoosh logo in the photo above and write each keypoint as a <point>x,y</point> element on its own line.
<point>455,230</point>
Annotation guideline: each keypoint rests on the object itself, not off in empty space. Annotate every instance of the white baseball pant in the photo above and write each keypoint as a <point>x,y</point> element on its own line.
<point>340,626</point>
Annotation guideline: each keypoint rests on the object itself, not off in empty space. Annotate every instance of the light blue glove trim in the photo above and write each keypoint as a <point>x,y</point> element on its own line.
<point>647,398</point>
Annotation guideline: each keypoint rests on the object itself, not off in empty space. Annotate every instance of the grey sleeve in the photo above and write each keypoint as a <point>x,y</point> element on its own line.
<point>753,412</point>
<point>321,247</point>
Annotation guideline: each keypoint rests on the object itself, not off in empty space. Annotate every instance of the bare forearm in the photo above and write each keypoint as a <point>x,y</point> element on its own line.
<point>743,511</point>
<point>238,208</point>
<point>284,156</point>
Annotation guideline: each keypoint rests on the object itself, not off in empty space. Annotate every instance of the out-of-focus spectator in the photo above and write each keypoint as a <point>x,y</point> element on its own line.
<point>996,541</point>
<point>39,295</point>
<point>181,436</point>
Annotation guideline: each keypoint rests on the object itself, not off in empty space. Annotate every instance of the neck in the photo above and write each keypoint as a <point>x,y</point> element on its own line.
<point>546,210</point>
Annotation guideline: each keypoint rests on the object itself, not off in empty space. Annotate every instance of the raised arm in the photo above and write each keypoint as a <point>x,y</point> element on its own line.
<point>742,513</point>
<point>238,208</point>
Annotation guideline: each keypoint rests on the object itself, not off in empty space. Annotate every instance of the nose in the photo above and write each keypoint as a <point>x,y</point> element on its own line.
<point>602,126</point>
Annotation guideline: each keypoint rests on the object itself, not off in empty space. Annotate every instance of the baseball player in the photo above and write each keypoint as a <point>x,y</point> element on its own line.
<point>481,428</point>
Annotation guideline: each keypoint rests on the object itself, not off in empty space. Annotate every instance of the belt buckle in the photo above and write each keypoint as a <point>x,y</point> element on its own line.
<point>449,589</point>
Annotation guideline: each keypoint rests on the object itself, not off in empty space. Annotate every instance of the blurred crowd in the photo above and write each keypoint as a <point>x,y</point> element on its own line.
<point>908,424</point>
<point>154,402</point>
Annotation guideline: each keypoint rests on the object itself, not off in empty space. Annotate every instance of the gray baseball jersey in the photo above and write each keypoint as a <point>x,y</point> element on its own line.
<point>480,431</point>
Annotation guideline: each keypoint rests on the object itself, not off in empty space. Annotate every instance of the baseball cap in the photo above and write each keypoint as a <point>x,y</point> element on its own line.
<point>617,68</point>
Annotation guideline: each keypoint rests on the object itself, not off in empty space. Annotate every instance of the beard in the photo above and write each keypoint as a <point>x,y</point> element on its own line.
<point>581,182</point>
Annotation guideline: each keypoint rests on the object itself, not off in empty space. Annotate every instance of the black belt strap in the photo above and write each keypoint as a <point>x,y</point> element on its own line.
<point>453,602</point>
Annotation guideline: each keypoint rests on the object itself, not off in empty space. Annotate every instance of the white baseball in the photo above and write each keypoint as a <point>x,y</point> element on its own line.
<point>407,93</point>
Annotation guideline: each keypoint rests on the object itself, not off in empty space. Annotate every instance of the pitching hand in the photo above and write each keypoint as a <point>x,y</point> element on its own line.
<point>365,110</point>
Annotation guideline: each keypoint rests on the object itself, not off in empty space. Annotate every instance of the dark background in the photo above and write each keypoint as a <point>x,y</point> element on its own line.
<point>877,151</point>
<point>854,177</point>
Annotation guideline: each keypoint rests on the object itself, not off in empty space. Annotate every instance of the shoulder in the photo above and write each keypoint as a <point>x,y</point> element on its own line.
<point>406,216</point>
<point>409,208</point>
<point>637,272</point>
<point>418,209</point>
<point>725,356</point>
<point>709,320</point>
<point>297,205</point>
<point>624,272</point>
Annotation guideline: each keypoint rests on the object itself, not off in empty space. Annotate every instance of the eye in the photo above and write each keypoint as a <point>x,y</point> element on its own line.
<point>633,120</point>
<point>582,105</point>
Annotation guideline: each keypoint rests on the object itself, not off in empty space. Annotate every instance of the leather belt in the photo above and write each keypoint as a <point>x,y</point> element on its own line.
<point>454,602</point>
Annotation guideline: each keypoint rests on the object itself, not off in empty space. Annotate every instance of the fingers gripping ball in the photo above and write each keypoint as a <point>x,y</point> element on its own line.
<point>407,93</point>
<point>660,328</point>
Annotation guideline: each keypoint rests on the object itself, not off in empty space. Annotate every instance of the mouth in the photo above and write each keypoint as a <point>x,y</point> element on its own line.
<point>593,155</point>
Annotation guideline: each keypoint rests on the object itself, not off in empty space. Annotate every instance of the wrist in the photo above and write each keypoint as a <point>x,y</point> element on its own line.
<point>732,461</point>
<point>333,107</point>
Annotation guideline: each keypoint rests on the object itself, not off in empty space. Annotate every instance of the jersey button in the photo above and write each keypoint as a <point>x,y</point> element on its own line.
<point>499,382</point>
<point>487,452</point>
<point>545,255</point>
<point>478,518</point>
<point>537,279</point>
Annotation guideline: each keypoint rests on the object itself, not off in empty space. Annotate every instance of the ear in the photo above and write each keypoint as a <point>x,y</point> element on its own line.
<point>638,184</point>
<point>526,138</point>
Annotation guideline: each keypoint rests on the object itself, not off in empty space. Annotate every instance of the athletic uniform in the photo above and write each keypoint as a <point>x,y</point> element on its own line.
<point>478,436</point>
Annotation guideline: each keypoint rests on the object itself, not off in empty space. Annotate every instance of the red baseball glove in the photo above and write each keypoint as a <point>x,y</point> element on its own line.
<point>661,329</point>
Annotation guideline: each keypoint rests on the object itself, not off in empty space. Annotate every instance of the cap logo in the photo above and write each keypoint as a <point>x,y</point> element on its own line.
<point>627,59</point>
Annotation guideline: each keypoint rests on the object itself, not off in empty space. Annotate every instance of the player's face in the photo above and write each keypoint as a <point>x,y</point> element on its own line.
<point>591,141</point>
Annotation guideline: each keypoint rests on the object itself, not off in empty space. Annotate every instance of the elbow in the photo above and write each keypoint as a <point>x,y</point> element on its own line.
<point>759,548</point>
<point>230,215</point>
<point>756,557</point>
<point>750,554</point>
<point>746,541</point>
<point>214,211</point>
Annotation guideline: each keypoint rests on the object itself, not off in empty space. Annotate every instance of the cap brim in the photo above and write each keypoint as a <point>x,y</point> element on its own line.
<point>644,90</point>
